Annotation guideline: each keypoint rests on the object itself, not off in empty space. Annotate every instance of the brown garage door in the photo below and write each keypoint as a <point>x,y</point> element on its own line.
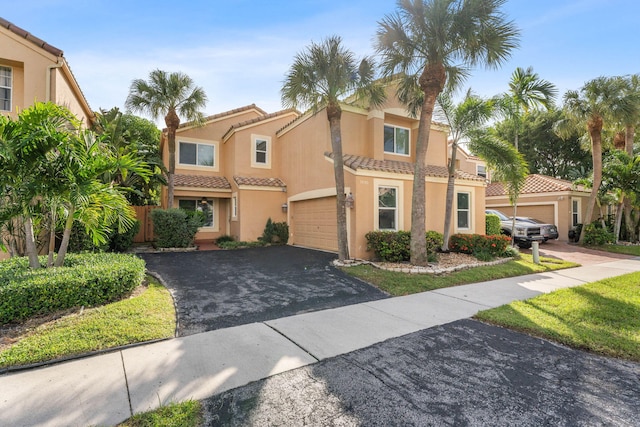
<point>544,213</point>
<point>314,223</point>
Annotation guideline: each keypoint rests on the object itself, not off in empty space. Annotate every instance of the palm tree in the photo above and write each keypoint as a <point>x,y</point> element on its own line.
<point>171,95</point>
<point>600,100</point>
<point>471,113</point>
<point>319,78</point>
<point>433,43</point>
<point>526,91</point>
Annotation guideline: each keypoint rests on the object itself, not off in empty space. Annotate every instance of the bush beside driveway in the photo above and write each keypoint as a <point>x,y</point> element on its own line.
<point>220,289</point>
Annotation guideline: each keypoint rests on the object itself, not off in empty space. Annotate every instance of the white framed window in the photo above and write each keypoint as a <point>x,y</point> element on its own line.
<point>260,151</point>
<point>481,170</point>
<point>463,210</point>
<point>387,208</point>
<point>234,205</point>
<point>396,140</point>
<point>205,206</point>
<point>6,85</point>
<point>575,212</point>
<point>196,154</point>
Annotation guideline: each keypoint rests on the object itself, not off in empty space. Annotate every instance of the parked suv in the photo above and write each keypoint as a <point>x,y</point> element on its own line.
<point>525,233</point>
<point>548,231</point>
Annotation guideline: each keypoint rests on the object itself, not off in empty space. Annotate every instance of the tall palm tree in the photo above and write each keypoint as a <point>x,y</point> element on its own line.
<point>434,43</point>
<point>171,95</point>
<point>600,100</point>
<point>471,113</point>
<point>320,77</point>
<point>526,91</point>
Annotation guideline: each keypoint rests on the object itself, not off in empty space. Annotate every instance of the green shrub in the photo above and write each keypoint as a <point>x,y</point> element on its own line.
<point>122,242</point>
<point>224,238</point>
<point>239,245</point>
<point>395,246</point>
<point>81,241</point>
<point>87,279</point>
<point>176,228</point>
<point>275,232</point>
<point>597,236</point>
<point>482,247</point>
<point>492,225</point>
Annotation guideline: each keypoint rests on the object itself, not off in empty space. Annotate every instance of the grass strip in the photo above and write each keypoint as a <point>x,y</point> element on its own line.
<point>601,317</point>
<point>144,317</point>
<point>398,284</point>
<point>184,414</point>
<point>619,249</point>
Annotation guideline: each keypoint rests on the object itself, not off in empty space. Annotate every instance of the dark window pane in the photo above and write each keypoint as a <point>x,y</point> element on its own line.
<point>387,219</point>
<point>389,137</point>
<point>188,153</point>
<point>463,219</point>
<point>261,145</point>
<point>463,201</point>
<point>205,155</point>
<point>402,141</point>
<point>187,205</point>
<point>261,157</point>
<point>386,197</point>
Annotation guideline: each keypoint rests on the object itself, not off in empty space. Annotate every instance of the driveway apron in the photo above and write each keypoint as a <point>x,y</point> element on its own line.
<point>220,289</point>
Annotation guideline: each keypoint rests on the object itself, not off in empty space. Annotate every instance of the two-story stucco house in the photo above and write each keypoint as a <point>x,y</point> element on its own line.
<point>245,166</point>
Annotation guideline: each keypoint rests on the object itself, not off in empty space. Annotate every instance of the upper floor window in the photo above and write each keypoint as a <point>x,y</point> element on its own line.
<point>260,151</point>
<point>481,170</point>
<point>5,88</point>
<point>396,140</point>
<point>197,154</point>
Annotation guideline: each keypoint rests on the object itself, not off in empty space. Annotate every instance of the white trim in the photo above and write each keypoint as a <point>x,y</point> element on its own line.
<point>233,215</point>
<point>399,186</point>
<point>216,157</point>
<point>254,150</point>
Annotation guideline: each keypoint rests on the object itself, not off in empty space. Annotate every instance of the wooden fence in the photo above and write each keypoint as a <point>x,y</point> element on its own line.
<point>143,214</point>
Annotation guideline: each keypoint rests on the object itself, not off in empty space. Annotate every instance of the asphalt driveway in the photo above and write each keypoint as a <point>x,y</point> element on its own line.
<point>465,373</point>
<point>220,289</point>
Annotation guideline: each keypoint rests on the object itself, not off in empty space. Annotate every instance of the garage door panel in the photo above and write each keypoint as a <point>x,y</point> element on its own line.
<point>544,213</point>
<point>314,223</point>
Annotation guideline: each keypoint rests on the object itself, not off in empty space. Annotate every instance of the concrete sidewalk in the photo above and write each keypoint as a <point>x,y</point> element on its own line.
<point>106,389</point>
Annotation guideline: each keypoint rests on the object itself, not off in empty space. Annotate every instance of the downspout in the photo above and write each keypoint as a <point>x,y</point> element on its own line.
<point>48,86</point>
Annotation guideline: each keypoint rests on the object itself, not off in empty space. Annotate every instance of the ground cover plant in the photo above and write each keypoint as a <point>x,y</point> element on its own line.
<point>85,280</point>
<point>184,414</point>
<point>148,314</point>
<point>620,249</point>
<point>397,284</point>
<point>601,317</point>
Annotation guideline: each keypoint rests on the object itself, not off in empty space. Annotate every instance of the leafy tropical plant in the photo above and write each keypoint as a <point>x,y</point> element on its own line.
<point>320,77</point>
<point>429,44</point>
<point>170,95</point>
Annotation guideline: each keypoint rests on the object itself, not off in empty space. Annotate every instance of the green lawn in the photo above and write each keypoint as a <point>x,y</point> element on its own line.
<point>185,414</point>
<point>619,249</point>
<point>144,317</point>
<point>602,317</point>
<point>398,284</point>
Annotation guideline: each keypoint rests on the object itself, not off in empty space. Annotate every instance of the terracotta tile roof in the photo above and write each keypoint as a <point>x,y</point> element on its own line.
<point>259,119</point>
<point>228,113</point>
<point>202,181</point>
<point>259,182</point>
<point>27,35</point>
<point>394,166</point>
<point>536,183</point>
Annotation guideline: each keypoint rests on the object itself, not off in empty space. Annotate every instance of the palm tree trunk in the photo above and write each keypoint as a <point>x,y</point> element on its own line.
<point>334,113</point>
<point>30,243</point>
<point>173,122</point>
<point>448,211</point>
<point>619,213</point>
<point>52,237</point>
<point>62,252</point>
<point>431,82</point>
<point>595,133</point>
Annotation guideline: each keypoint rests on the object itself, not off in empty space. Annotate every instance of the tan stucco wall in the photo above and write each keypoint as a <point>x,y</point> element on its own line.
<point>254,208</point>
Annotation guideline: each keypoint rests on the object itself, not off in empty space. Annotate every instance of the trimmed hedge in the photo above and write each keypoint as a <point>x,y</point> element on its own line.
<point>482,247</point>
<point>597,236</point>
<point>394,246</point>
<point>87,279</point>
<point>492,225</point>
<point>176,228</point>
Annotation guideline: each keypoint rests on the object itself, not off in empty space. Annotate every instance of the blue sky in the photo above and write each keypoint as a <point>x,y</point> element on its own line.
<point>240,50</point>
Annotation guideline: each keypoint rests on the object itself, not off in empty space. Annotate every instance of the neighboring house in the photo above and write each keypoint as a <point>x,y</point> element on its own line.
<point>471,164</point>
<point>245,166</point>
<point>32,70</point>
<point>551,200</point>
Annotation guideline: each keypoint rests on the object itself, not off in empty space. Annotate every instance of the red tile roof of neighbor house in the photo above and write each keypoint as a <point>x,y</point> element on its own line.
<point>33,39</point>
<point>259,182</point>
<point>200,181</point>
<point>395,166</point>
<point>258,119</point>
<point>536,183</point>
<point>227,113</point>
